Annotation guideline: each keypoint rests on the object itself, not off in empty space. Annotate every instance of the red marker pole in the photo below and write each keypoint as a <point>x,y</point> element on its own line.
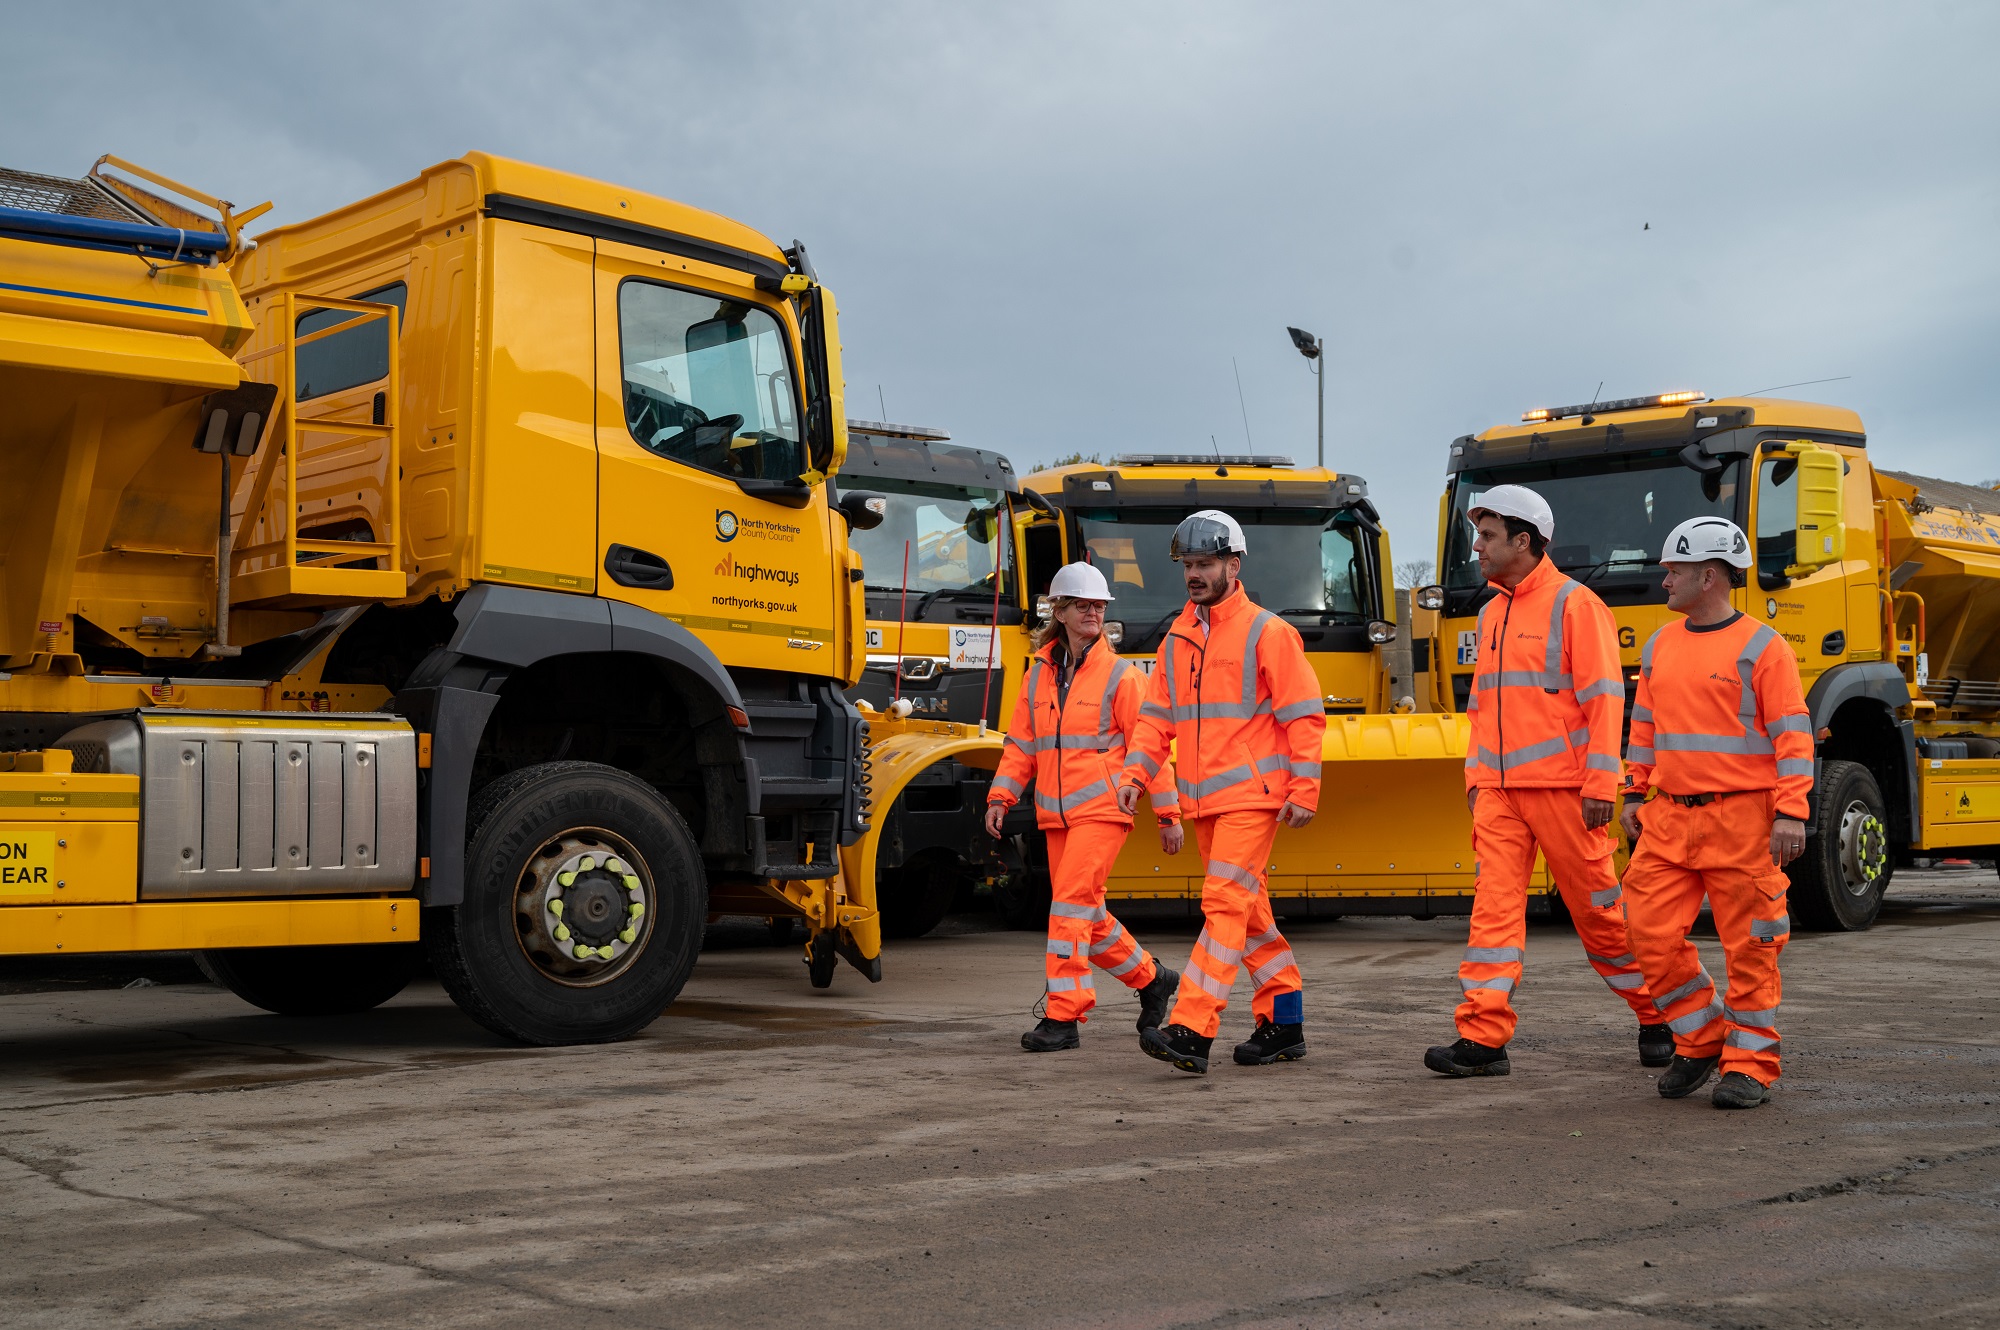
<point>902,614</point>
<point>992,645</point>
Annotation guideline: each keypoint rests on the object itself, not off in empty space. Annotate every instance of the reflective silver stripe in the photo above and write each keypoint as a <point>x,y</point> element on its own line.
<point>1770,928</point>
<point>1214,988</point>
<point>1746,664</point>
<point>1552,658</point>
<point>1795,766</point>
<point>1049,743</point>
<point>1109,940</point>
<point>1242,877</point>
<point>1646,652</point>
<point>1067,910</point>
<point>1217,711</point>
<point>1710,743</point>
<point>1499,983</point>
<point>1523,679</point>
<point>1527,753</point>
<point>1025,748</point>
<point>1483,757</point>
<point>1292,711</point>
<point>1764,1016</point>
<point>1787,724</point>
<point>1472,703</point>
<point>1166,799</point>
<point>1580,738</point>
<point>1068,984</point>
<point>1694,1020</point>
<point>1146,764</point>
<point>1070,802</point>
<point>1494,955</point>
<point>1306,770</point>
<point>1627,959</point>
<point>1107,714</point>
<point>1009,784</point>
<point>1642,714</point>
<point>1602,762</point>
<point>1061,946</point>
<point>1694,985</point>
<point>1155,710</point>
<point>1218,953</point>
<point>1625,981</point>
<point>1253,647</point>
<point>1033,687</point>
<point>1608,896</point>
<point>1262,939</point>
<point>1223,780</point>
<point>1755,1043</point>
<point>1126,966</point>
<point>1262,974</point>
<point>1604,688</point>
<point>1167,652</point>
<point>1639,756</point>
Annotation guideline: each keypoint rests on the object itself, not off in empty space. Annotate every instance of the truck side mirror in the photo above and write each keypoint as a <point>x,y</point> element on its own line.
<point>863,509</point>
<point>1820,534</point>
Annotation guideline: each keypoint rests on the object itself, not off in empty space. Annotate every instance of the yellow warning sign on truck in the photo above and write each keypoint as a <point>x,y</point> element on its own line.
<point>27,863</point>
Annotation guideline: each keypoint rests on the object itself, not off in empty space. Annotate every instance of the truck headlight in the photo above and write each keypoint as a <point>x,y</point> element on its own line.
<point>1380,631</point>
<point>1428,598</point>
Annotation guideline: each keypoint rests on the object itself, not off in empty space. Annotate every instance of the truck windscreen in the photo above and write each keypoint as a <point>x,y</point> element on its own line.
<point>1612,514</point>
<point>952,535</point>
<point>1301,561</point>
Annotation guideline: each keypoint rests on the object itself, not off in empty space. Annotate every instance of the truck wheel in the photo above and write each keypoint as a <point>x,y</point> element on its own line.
<point>1838,883</point>
<point>314,981</point>
<point>914,899</point>
<point>585,902</point>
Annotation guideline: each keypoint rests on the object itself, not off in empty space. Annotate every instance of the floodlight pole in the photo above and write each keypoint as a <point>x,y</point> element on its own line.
<point>1319,368</point>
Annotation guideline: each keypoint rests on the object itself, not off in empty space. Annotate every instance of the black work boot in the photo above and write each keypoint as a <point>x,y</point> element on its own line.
<point>1050,1036</point>
<point>1686,1076</point>
<point>1656,1045</point>
<point>1739,1089</point>
<point>1466,1058</point>
<point>1272,1043</point>
<point>1179,1045</point>
<point>1156,999</point>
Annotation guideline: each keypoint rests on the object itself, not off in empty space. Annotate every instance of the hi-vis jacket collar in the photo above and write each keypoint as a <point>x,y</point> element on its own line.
<point>1544,571</point>
<point>1237,604</point>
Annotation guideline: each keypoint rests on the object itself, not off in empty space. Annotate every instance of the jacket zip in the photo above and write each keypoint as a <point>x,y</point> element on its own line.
<point>1500,694</point>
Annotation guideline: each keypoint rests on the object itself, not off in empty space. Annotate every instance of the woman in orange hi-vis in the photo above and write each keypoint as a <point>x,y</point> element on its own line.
<point>1722,753</point>
<point>1233,692</point>
<point>1547,704</point>
<point>1068,736</point>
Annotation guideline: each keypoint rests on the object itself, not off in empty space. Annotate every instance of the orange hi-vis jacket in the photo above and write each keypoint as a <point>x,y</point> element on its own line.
<point>1720,710</point>
<point>1242,707</point>
<point>1073,747</point>
<point>1548,700</point>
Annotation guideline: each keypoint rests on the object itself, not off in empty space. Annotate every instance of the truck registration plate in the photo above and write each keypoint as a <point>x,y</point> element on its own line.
<point>27,863</point>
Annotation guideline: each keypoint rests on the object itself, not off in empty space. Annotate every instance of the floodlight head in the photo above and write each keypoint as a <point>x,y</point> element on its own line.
<point>1307,344</point>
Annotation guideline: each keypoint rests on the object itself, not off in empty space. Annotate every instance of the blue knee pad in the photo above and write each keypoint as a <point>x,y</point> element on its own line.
<point>1289,1009</point>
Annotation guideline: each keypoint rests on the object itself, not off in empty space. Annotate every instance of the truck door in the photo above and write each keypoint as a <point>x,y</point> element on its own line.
<point>1809,612</point>
<point>697,398</point>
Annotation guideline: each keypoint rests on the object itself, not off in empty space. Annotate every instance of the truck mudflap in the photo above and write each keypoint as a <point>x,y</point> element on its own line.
<point>842,921</point>
<point>1392,831</point>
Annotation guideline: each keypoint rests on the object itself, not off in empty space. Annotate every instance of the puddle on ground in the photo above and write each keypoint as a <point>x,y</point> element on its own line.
<point>1931,914</point>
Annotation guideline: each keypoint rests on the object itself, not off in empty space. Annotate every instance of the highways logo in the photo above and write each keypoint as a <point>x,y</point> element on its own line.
<point>725,525</point>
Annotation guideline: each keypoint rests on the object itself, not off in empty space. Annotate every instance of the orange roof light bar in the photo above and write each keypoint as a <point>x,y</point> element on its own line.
<point>1681,398</point>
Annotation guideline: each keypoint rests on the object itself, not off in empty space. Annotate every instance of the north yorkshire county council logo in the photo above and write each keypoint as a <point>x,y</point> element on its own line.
<point>725,525</point>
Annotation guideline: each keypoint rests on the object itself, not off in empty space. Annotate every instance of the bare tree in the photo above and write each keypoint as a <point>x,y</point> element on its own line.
<point>1413,573</point>
<point>1076,458</point>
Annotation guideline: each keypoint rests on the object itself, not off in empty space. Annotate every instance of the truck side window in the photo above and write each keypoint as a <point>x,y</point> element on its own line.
<point>1777,515</point>
<point>708,382</point>
<point>347,359</point>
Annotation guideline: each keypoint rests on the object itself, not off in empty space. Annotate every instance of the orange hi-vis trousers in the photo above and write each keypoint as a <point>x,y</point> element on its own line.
<point>1721,850</point>
<point>1508,825</point>
<point>1082,932</point>
<point>1238,927</point>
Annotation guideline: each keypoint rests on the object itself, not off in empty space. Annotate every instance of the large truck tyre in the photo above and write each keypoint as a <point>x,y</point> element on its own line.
<point>915,898</point>
<point>314,981</point>
<point>1838,883</point>
<point>585,902</point>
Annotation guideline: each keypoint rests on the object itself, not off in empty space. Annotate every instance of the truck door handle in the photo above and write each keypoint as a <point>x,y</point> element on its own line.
<point>635,567</point>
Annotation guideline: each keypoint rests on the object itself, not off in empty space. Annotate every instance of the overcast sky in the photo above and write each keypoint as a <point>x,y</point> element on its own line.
<point>1051,227</point>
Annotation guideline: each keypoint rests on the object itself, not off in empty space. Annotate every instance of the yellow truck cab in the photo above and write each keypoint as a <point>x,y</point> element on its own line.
<point>1847,559</point>
<point>495,584</point>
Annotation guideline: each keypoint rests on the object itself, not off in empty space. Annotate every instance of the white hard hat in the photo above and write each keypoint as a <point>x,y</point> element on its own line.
<point>1701,538</point>
<point>1517,501</point>
<point>1080,581</point>
<point>1205,534</point>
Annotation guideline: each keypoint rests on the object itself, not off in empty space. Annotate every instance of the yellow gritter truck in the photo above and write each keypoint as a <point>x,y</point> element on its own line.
<point>1886,586</point>
<point>459,566</point>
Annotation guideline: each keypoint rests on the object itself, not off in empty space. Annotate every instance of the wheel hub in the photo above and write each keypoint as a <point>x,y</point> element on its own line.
<point>583,907</point>
<point>1864,849</point>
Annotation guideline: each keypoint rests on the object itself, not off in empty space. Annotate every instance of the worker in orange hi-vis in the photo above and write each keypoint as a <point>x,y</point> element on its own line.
<point>1722,753</point>
<point>1068,737</point>
<point>1233,692</point>
<point>1547,705</point>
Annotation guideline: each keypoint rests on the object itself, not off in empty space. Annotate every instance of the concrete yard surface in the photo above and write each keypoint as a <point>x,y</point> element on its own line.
<point>767,1155</point>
